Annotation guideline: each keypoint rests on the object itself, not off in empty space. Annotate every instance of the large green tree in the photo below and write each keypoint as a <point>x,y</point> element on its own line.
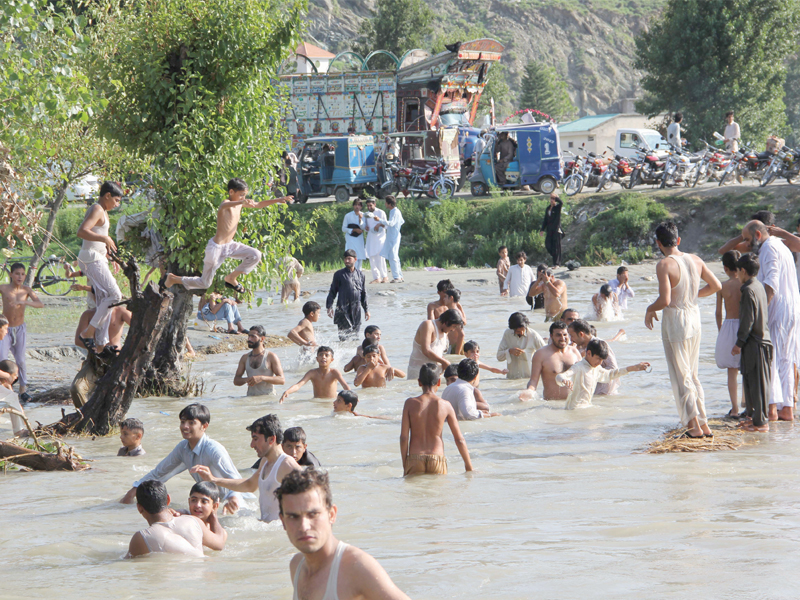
<point>791,99</point>
<point>396,26</point>
<point>704,57</point>
<point>545,91</point>
<point>190,82</point>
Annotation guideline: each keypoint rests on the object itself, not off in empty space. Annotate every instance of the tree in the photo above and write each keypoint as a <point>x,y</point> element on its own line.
<point>397,26</point>
<point>545,91</point>
<point>791,98</point>
<point>189,82</point>
<point>704,57</point>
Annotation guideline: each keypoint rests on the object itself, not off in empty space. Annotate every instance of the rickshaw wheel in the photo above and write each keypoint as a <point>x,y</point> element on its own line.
<point>547,185</point>
<point>478,188</point>
<point>341,194</point>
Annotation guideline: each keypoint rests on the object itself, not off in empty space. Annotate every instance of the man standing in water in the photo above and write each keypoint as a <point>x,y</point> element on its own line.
<point>679,276</point>
<point>326,568</point>
<point>551,226</point>
<point>349,284</point>
<point>556,357</point>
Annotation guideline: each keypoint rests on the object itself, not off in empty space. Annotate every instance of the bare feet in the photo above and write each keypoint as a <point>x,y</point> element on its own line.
<point>375,281</point>
<point>786,414</point>
<point>751,427</point>
<point>172,280</point>
<point>385,280</point>
<point>773,412</point>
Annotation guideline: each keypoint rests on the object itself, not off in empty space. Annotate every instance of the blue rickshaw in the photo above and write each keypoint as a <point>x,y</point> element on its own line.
<point>341,166</point>
<point>537,162</point>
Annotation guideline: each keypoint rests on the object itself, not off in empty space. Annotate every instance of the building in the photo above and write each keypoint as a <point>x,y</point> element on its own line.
<point>595,133</point>
<point>312,59</point>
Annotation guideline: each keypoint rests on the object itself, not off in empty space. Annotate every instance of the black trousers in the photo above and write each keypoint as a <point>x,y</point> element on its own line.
<point>500,171</point>
<point>552,244</point>
<point>348,324</point>
<point>756,380</point>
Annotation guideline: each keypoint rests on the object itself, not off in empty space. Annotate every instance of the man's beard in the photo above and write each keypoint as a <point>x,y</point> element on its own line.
<point>252,345</point>
<point>755,246</point>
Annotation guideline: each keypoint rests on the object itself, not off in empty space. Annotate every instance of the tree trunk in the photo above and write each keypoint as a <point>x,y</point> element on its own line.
<point>40,461</point>
<point>41,247</point>
<point>163,376</point>
<point>115,390</point>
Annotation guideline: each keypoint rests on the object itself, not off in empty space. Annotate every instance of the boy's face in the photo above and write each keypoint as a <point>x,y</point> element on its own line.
<point>449,301</point>
<point>201,506</point>
<point>521,261</point>
<point>313,316</point>
<point>742,275</point>
<point>3,331</point>
<point>111,201</point>
<point>18,276</point>
<point>451,379</point>
<point>339,405</point>
<point>130,438</point>
<point>622,277</point>
<point>592,359</point>
<point>324,359</point>
<point>474,354</point>
<point>374,337</point>
<point>504,253</point>
<point>237,195</point>
<point>371,359</point>
<point>192,429</point>
<point>294,449</point>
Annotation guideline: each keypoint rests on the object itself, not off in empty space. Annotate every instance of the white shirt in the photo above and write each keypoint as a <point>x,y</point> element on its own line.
<point>375,237</point>
<point>461,394</point>
<point>518,280</point>
<point>519,367</point>
<point>778,271</point>
<point>622,294</point>
<point>732,133</point>
<point>674,134</point>
<point>584,378</point>
<point>480,144</point>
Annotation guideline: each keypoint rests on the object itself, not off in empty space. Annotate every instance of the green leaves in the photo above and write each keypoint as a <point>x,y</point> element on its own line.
<point>545,91</point>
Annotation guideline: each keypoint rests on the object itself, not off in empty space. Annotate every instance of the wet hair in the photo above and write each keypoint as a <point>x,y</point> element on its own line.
<point>749,264</point>
<point>349,397</point>
<point>517,320</point>
<point>767,217</point>
<point>310,307</point>
<point>667,234</point>
<point>605,290</point>
<point>390,200</point>
<point>207,488</point>
<point>451,317</point>
<point>468,369</point>
<point>371,329</point>
<point>570,310</point>
<point>729,114</point>
<point>15,266</point>
<point>237,185</point>
<point>132,424</point>
<point>521,255</point>
<point>9,366</point>
<point>451,371</point>
<point>622,269</point>
<point>580,326</point>
<point>305,480</point>
<point>594,330</point>
<point>349,252</point>
<point>557,325</point>
<point>371,349</point>
<point>730,258</point>
<point>195,411</point>
<point>501,248</point>
<point>429,374</point>
<point>3,321</point>
<point>109,187</point>
<point>268,426</point>
<point>258,330</point>
<point>541,268</point>
<point>444,285</point>
<point>294,434</point>
<point>322,349</point>
<point>152,496</point>
<point>598,347</point>
<point>454,294</point>
<point>548,272</point>
<point>471,346</point>
<point>678,117</point>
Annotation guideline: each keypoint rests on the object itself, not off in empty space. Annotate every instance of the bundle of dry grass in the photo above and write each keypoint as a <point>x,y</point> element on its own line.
<point>727,436</point>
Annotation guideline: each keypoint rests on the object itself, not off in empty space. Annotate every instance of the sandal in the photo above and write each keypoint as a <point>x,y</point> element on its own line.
<point>88,343</point>
<point>237,288</point>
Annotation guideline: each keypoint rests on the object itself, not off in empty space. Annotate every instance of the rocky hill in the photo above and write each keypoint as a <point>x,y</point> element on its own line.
<point>589,42</point>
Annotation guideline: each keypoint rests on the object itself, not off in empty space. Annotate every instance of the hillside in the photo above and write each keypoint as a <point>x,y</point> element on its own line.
<point>590,43</point>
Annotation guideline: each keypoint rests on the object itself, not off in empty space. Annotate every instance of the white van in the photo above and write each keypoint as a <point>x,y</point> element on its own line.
<point>628,140</point>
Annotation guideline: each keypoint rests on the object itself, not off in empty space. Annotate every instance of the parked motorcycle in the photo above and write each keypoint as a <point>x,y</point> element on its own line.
<point>648,168</point>
<point>418,181</point>
<point>573,174</point>
<point>616,171</point>
<point>783,164</point>
<point>712,164</point>
<point>679,168</point>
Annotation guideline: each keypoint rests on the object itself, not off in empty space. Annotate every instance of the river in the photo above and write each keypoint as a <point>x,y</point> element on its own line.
<point>560,505</point>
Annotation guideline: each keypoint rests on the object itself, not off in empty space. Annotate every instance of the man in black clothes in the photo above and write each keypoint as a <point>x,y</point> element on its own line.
<point>552,226</point>
<point>505,150</point>
<point>349,285</point>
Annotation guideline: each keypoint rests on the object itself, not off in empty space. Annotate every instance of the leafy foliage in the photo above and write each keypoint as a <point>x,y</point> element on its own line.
<point>545,91</point>
<point>704,57</point>
<point>397,26</point>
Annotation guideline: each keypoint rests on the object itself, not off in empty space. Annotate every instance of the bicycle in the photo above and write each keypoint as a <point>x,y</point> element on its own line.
<point>50,278</point>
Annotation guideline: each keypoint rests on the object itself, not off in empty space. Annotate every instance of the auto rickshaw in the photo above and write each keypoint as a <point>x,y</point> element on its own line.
<point>537,162</point>
<point>427,148</point>
<point>341,166</point>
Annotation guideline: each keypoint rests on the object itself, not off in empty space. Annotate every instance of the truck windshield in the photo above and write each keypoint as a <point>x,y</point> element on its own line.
<point>654,138</point>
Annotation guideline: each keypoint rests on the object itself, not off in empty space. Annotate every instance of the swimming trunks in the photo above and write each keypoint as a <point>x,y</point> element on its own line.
<point>432,464</point>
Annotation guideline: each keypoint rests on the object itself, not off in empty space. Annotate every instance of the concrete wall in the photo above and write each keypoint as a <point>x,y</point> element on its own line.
<point>601,136</point>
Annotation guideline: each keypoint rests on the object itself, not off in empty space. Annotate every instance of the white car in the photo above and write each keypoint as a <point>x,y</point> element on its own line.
<point>87,187</point>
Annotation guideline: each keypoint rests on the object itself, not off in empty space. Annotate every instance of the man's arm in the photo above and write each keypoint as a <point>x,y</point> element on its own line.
<point>468,408</point>
<point>664,294</point>
<point>364,303</point>
<point>458,438</point>
<point>736,243</point>
<point>237,485</point>
<point>502,349</point>
<point>536,371</point>
<point>791,241</point>
<point>370,581</point>
<point>137,547</point>
<point>712,283</point>
<point>238,378</point>
<point>277,377</point>
<point>332,293</point>
<point>405,433</point>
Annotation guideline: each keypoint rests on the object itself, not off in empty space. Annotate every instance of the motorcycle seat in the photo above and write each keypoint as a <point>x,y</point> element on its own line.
<point>695,159</point>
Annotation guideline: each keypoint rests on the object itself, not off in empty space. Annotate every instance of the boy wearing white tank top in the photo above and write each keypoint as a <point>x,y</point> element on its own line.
<point>326,568</point>
<point>266,435</point>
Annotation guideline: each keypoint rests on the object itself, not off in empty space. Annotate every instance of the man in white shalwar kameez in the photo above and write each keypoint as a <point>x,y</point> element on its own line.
<point>376,238</point>
<point>517,346</point>
<point>353,228</point>
<point>679,276</point>
<point>391,248</point>
<point>779,277</point>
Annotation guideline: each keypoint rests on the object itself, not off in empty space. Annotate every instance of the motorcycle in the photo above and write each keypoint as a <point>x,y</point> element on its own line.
<point>745,162</point>
<point>679,168</point>
<point>784,164</point>
<point>418,181</point>
<point>647,168</point>
<point>711,164</point>
<point>573,175</point>
<point>616,170</point>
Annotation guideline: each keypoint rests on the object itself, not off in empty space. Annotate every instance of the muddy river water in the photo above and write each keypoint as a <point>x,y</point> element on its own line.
<point>561,505</point>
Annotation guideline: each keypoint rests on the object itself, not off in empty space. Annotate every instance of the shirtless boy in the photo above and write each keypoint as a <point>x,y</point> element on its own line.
<point>554,358</point>
<point>424,417</point>
<point>16,298</point>
<point>323,379</point>
<point>729,297</point>
<point>303,334</point>
<point>222,246</point>
<point>346,403</point>
<point>503,265</point>
<point>325,567</point>
<point>450,299</point>
<point>372,335</point>
<point>473,350</point>
<point>204,500</point>
<point>372,373</point>
<point>8,377</point>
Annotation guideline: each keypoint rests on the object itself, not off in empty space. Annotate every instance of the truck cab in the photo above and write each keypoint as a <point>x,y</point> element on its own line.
<point>627,141</point>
